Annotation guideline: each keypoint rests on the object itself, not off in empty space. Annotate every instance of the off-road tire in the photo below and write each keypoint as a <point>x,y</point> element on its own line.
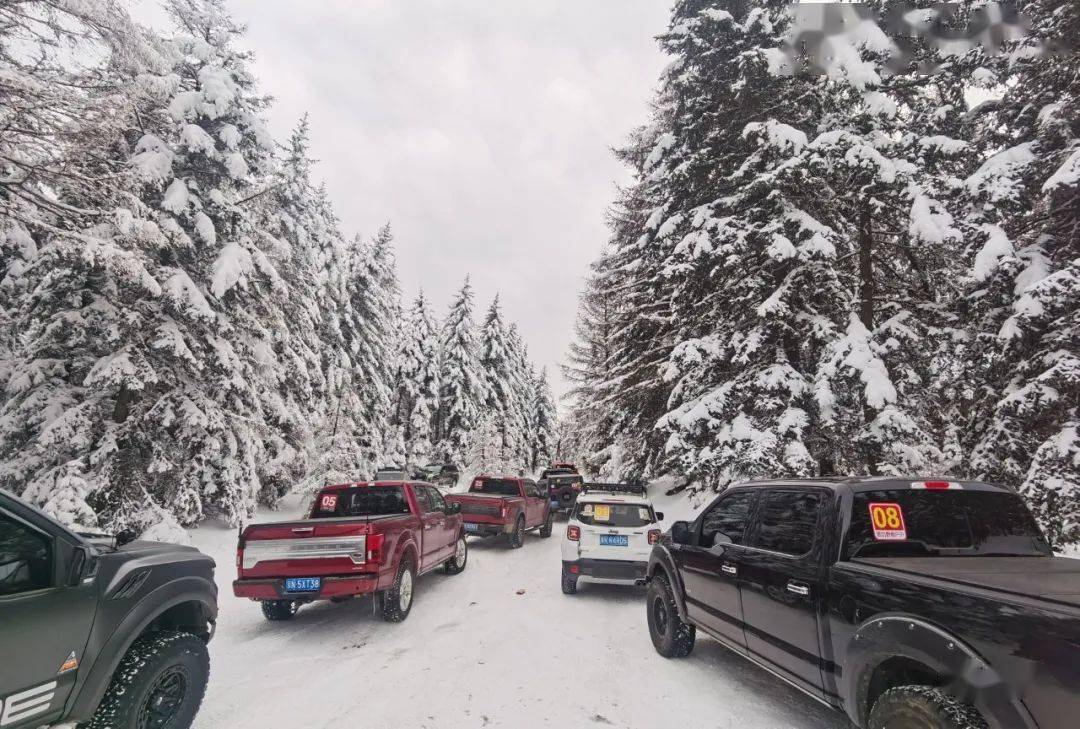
<point>154,663</point>
<point>454,566</point>
<point>390,607</point>
<point>279,609</point>
<point>922,707</point>
<point>671,637</point>
<point>569,584</point>
<point>545,530</point>
<point>517,537</point>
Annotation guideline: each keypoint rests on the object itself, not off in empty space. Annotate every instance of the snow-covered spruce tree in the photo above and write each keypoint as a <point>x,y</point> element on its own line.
<point>588,363</point>
<point>522,374</point>
<point>418,382</point>
<point>545,424</point>
<point>501,383</point>
<point>374,296</point>
<point>461,384</point>
<point>1023,303</point>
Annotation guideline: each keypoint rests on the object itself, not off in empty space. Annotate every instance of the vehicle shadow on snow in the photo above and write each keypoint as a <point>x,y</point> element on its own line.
<point>795,708</point>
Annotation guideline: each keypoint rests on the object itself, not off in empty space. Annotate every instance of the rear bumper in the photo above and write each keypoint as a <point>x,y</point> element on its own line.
<point>484,529</point>
<point>607,569</point>
<point>274,588</point>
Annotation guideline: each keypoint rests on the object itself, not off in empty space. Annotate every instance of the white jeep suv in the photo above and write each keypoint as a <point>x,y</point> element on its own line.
<point>609,536</point>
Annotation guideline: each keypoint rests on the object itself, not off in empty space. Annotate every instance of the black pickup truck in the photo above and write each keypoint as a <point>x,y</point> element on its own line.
<point>100,631</point>
<point>908,604</point>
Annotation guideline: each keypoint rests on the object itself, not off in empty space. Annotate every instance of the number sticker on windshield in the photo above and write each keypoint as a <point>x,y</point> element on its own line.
<point>888,522</point>
<point>328,502</point>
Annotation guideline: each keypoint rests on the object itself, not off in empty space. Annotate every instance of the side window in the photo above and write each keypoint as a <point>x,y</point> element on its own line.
<point>729,517</point>
<point>436,499</point>
<point>26,561</point>
<point>530,489</point>
<point>423,499</point>
<point>788,522</point>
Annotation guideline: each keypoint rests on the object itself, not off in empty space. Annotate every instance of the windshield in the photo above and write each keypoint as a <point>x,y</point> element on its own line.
<point>614,515</point>
<point>903,522</point>
<point>361,501</point>
<point>431,470</point>
<point>496,486</point>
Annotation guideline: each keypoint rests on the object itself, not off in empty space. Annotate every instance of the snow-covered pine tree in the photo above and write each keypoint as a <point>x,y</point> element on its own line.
<point>461,383</point>
<point>500,387</point>
<point>1023,302</point>
<point>522,374</point>
<point>418,382</point>
<point>545,423</point>
<point>374,297</point>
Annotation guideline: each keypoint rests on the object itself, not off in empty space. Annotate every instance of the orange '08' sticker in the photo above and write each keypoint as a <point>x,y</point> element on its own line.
<point>888,522</point>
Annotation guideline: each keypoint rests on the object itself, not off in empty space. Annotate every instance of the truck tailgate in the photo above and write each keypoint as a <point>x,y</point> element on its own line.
<point>314,547</point>
<point>1051,578</point>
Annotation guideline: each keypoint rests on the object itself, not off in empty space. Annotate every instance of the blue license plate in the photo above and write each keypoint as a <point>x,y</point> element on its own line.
<point>303,584</point>
<point>472,527</point>
<point>614,540</point>
<point>554,503</point>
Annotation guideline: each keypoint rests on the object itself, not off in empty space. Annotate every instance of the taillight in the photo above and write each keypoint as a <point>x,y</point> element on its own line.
<point>654,536</point>
<point>573,533</point>
<point>239,557</point>
<point>374,548</point>
<point>937,485</point>
<point>504,511</point>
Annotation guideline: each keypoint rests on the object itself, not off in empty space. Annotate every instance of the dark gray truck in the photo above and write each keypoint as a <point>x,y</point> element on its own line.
<point>102,632</point>
<point>908,604</point>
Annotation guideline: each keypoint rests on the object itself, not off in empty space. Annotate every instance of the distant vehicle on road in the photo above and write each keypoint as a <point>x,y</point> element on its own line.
<point>504,506</point>
<point>391,473</point>
<point>360,538</point>
<point>558,468</point>
<point>99,631</point>
<point>562,489</point>
<point>609,536</point>
<point>443,475</point>
<point>908,604</point>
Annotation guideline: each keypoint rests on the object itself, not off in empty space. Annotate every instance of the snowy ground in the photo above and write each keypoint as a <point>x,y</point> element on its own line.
<point>474,653</point>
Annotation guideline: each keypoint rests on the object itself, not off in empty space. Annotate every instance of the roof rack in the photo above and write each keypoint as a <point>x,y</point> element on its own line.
<point>636,489</point>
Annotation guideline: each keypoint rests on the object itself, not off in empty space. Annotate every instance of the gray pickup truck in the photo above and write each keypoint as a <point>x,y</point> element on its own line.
<point>99,631</point>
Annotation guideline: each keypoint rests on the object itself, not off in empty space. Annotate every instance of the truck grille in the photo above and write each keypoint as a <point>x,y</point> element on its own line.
<point>486,509</point>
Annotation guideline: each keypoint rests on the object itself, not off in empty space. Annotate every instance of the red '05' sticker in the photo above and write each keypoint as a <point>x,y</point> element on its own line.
<point>888,522</point>
<point>328,502</point>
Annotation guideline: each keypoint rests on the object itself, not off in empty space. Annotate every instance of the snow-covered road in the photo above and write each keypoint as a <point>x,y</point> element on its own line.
<point>474,653</point>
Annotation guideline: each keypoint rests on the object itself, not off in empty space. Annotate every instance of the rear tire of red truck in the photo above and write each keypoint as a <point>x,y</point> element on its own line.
<point>456,564</point>
<point>395,602</point>
<point>517,537</point>
<point>922,707</point>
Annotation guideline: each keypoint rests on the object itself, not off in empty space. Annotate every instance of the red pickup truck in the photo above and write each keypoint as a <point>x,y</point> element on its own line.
<point>504,505</point>
<point>360,538</point>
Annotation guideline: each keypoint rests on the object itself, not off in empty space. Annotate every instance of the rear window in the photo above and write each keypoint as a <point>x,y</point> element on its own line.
<point>942,523</point>
<point>565,479</point>
<point>614,515</point>
<point>361,501</point>
<point>496,486</point>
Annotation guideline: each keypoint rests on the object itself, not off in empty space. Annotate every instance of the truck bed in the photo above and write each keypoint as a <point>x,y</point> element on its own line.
<point>1055,579</point>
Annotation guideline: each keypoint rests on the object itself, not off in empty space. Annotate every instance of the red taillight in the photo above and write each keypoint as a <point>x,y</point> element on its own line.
<point>574,569</point>
<point>239,557</point>
<point>654,536</point>
<point>573,533</point>
<point>374,548</point>
<point>937,485</point>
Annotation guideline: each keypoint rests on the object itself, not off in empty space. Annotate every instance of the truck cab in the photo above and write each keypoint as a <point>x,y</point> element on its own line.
<point>506,506</point>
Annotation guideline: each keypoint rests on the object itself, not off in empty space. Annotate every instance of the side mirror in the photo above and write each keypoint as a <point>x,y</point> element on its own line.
<point>83,564</point>
<point>680,532</point>
<point>659,516</point>
<point>126,536</point>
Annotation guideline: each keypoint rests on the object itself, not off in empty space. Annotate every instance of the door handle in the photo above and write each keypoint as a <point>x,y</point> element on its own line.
<point>303,530</point>
<point>797,588</point>
<point>729,569</point>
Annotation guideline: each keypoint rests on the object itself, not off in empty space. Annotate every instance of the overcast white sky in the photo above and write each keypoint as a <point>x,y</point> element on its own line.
<point>480,129</point>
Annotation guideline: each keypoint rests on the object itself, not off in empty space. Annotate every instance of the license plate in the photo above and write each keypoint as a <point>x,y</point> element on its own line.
<point>555,503</point>
<point>472,528</point>
<point>614,540</point>
<point>303,584</point>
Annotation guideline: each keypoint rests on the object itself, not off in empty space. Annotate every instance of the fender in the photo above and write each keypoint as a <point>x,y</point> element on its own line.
<point>895,635</point>
<point>90,687</point>
<point>661,562</point>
